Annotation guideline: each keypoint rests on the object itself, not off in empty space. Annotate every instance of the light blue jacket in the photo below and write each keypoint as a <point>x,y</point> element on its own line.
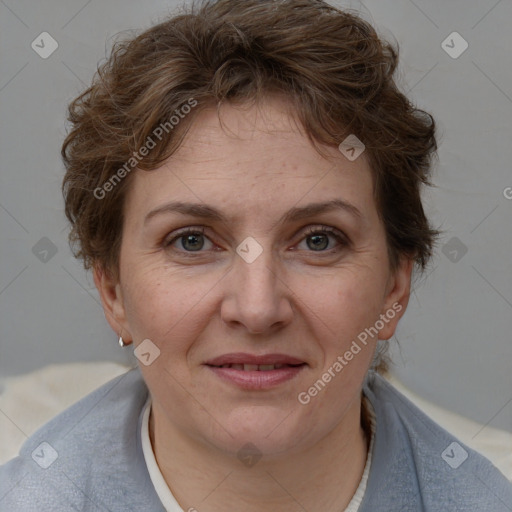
<point>89,458</point>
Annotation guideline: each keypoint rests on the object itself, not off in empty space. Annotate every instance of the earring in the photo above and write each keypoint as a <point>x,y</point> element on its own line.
<point>121,342</point>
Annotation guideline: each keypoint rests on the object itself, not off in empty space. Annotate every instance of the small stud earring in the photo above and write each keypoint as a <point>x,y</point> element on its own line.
<point>121,342</point>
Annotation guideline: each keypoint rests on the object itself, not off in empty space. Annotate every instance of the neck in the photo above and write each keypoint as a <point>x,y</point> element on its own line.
<point>323,477</point>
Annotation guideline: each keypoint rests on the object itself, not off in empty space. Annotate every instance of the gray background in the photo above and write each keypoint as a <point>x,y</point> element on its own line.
<point>455,341</point>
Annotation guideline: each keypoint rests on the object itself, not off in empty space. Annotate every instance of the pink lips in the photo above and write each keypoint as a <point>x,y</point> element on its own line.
<point>243,358</point>
<point>251,372</point>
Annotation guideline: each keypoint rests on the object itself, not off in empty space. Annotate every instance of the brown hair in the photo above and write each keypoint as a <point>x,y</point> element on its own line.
<point>331,65</point>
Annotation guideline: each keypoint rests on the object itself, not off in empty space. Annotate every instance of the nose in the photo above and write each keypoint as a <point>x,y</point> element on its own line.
<point>257,297</point>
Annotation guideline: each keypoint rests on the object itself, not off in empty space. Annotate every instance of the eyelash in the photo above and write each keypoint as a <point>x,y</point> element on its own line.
<point>322,230</point>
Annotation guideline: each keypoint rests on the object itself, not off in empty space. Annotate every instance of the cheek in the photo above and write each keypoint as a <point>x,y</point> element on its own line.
<point>165,307</point>
<point>347,301</point>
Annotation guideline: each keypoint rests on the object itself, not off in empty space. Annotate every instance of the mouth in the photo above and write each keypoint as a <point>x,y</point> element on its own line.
<point>242,359</point>
<point>257,367</point>
<point>252,372</point>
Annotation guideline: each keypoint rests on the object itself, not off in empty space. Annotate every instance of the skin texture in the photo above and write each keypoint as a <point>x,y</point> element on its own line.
<point>302,296</point>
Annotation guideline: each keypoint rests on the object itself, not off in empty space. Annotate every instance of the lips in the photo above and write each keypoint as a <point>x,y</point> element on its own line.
<point>251,362</point>
<point>251,372</point>
<point>255,367</point>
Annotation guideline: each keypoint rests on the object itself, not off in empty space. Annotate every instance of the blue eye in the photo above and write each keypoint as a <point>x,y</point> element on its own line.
<point>192,240</point>
<point>318,239</point>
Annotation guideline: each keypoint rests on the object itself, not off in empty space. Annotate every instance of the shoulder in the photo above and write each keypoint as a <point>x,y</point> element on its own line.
<point>86,458</point>
<point>416,462</point>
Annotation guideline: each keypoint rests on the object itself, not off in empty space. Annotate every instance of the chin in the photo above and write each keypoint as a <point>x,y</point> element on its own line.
<point>270,430</point>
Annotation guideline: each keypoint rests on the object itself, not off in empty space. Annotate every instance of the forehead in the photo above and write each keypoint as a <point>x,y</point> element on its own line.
<point>265,130</point>
<point>252,157</point>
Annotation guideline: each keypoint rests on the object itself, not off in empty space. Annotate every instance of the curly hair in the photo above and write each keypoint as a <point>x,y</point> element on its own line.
<point>337,73</point>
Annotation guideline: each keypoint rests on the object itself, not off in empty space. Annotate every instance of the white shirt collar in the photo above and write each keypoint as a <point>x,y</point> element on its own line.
<point>162,489</point>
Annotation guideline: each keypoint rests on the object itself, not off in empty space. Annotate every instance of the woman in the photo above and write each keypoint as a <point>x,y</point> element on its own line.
<point>244,182</point>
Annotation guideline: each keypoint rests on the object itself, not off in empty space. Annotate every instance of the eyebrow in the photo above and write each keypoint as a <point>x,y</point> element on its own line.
<point>294,214</point>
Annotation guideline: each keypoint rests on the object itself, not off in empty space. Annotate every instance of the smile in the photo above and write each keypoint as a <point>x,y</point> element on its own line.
<point>254,377</point>
<point>257,367</point>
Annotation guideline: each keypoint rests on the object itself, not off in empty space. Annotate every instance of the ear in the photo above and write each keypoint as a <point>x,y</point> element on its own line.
<point>397,297</point>
<point>111,296</point>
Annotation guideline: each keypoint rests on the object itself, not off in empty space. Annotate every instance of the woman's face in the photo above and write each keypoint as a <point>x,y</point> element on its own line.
<point>274,269</point>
